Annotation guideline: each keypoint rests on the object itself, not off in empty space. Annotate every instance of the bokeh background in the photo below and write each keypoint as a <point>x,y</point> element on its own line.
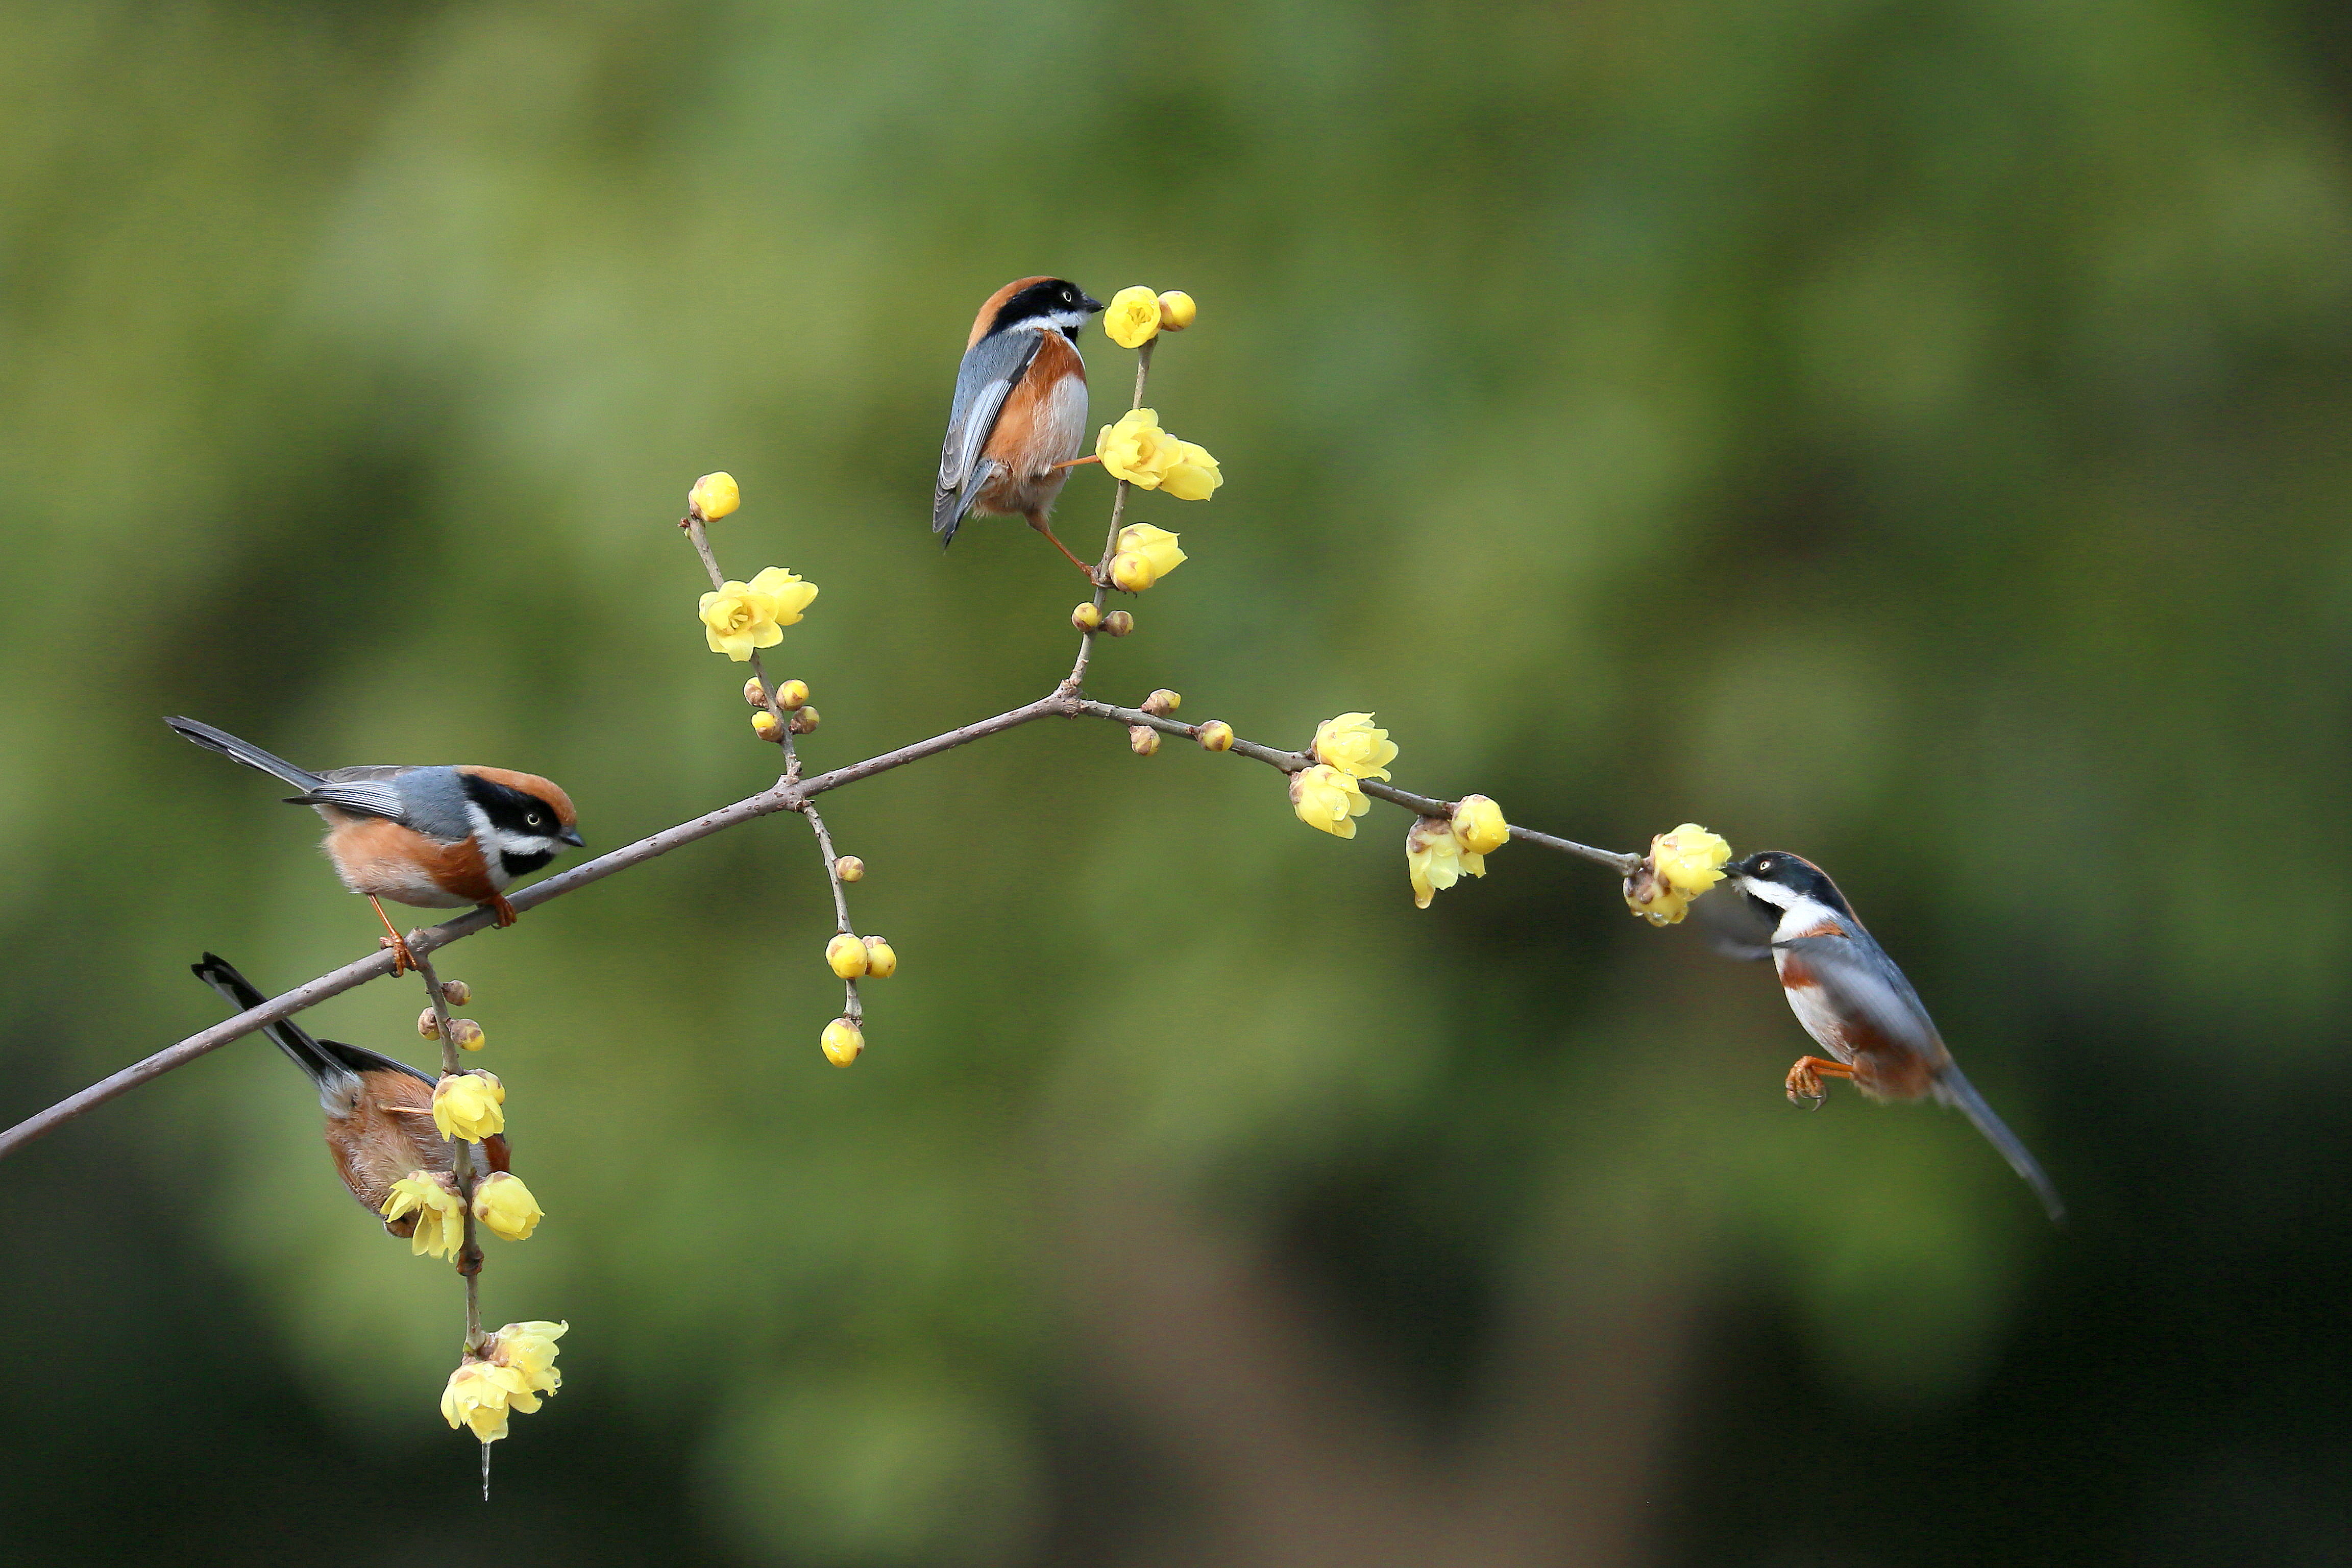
<point>1910,432</point>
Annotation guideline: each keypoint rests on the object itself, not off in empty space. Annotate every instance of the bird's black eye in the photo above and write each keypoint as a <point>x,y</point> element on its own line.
<point>534,820</point>
<point>1763,865</point>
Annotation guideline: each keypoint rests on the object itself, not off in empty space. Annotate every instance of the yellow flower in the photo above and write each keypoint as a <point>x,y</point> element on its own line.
<point>465,1105</point>
<point>841,1041</point>
<point>1328,798</point>
<point>1136,448</point>
<point>742,617</point>
<point>506,1205</point>
<point>1478,823</point>
<point>440,1225</point>
<point>787,594</point>
<point>1130,573</point>
<point>511,1371</point>
<point>1176,311</point>
<point>1156,545</point>
<point>476,1398</point>
<point>714,496</point>
<point>528,1350</point>
<point>881,958</point>
<point>1190,474</point>
<point>1351,744</point>
<point>1132,318</point>
<point>1434,859</point>
<point>1680,866</point>
<point>846,956</point>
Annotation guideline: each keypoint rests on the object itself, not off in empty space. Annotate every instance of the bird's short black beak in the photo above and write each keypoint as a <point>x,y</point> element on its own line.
<point>1091,303</point>
<point>571,837</point>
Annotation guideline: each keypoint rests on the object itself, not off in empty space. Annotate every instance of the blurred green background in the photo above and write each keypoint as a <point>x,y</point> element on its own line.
<point>1912,434</point>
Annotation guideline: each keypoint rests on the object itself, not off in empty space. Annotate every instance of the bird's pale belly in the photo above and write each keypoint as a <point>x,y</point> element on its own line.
<point>1814,1011</point>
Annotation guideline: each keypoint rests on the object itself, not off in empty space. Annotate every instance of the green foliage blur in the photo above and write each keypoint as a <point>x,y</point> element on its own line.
<point>1910,434</point>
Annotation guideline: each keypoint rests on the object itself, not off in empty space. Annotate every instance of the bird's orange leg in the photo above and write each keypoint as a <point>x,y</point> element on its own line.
<point>1805,1081</point>
<point>402,959</point>
<point>504,911</point>
<point>1037,521</point>
<point>1072,463</point>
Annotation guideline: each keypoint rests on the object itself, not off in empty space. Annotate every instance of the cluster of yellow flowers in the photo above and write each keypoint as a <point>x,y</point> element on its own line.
<point>1438,850</point>
<point>1680,866</point>
<point>513,1368</point>
<point>1136,315</point>
<point>471,1106</point>
<point>1138,450</point>
<point>1325,794</point>
<point>852,956</point>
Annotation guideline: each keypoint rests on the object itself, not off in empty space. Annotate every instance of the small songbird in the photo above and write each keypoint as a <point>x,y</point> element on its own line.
<point>1019,419</point>
<point>1857,1003</point>
<point>437,837</point>
<point>379,1112</point>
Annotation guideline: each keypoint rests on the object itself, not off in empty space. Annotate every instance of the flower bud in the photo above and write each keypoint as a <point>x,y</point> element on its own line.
<point>467,1034</point>
<point>881,958</point>
<point>1131,572</point>
<point>843,1040</point>
<point>456,993</point>
<point>1143,740</point>
<point>713,497</point>
<point>766,725</point>
<point>1163,703</point>
<point>506,1205</point>
<point>1086,617</point>
<point>1478,823</point>
<point>849,869</point>
<point>848,956</point>
<point>804,720</point>
<point>1217,735</point>
<point>428,1024</point>
<point>1119,623</point>
<point>792,696</point>
<point>1176,311</point>
<point>754,693</point>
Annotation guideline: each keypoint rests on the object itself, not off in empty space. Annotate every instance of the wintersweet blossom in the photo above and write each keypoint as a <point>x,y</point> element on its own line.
<point>846,956</point>
<point>477,1398</point>
<point>439,1227</point>
<point>714,496</point>
<point>1189,473</point>
<point>529,1350</point>
<point>1176,311</point>
<point>841,1041</point>
<point>506,1205</point>
<point>1327,797</point>
<point>1478,823</point>
<point>1132,318</point>
<point>1156,545</point>
<point>1680,866</point>
<point>739,617</point>
<point>1138,450</point>
<point>467,1105</point>
<point>509,1372</point>
<point>1351,744</point>
<point>1435,858</point>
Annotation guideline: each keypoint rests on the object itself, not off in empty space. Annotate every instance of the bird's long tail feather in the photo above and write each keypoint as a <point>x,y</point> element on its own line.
<point>1952,1087</point>
<point>305,1052</point>
<point>245,751</point>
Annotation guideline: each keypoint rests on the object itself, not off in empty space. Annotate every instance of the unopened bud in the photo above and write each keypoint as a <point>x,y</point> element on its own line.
<point>713,497</point>
<point>792,696</point>
<point>804,720</point>
<point>843,1040</point>
<point>456,993</point>
<point>1119,623</point>
<point>754,693</point>
<point>467,1034</point>
<point>1217,735</point>
<point>765,725</point>
<point>881,958</point>
<point>1176,311</point>
<point>1143,740</point>
<point>849,869</point>
<point>847,955</point>
<point>1131,572</point>
<point>1086,617</point>
<point>428,1024</point>
<point>1163,702</point>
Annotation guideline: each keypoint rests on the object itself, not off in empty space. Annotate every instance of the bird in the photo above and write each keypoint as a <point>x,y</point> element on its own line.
<point>436,837</point>
<point>1019,417</point>
<point>1855,1002</point>
<point>379,1112</point>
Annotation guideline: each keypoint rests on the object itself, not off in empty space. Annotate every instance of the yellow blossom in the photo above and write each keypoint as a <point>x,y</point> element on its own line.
<point>1136,448</point>
<point>714,496</point>
<point>1328,798</point>
<point>846,956</point>
<point>528,1350</point>
<point>1680,866</point>
<point>1434,859</point>
<point>467,1105</point>
<point>476,1398</point>
<point>1156,545</point>
<point>439,1229</point>
<point>841,1041</point>
<point>1132,318</point>
<point>881,958</point>
<point>1176,311</point>
<point>1130,573</point>
<point>506,1205</point>
<point>1351,744</point>
<point>511,1371</point>
<point>1478,823</point>
<point>1191,474</point>
<point>742,617</point>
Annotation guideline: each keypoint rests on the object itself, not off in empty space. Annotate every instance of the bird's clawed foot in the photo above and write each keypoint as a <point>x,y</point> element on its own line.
<point>503,911</point>
<point>1804,1082</point>
<point>403,961</point>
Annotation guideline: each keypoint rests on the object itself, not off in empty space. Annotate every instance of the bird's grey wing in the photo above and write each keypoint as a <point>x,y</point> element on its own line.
<point>370,791</point>
<point>1864,984</point>
<point>1733,928</point>
<point>990,372</point>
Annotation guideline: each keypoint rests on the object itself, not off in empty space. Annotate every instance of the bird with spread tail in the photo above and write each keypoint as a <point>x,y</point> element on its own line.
<point>1019,419</point>
<point>379,1112</point>
<point>1855,1002</point>
<point>436,837</point>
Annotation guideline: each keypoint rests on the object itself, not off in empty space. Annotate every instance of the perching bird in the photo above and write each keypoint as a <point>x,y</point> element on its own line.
<point>437,837</point>
<point>379,1112</point>
<point>1852,999</point>
<point>1019,419</point>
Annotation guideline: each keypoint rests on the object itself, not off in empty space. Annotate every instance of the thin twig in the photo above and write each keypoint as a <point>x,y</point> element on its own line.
<point>1077,681</point>
<point>461,1160</point>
